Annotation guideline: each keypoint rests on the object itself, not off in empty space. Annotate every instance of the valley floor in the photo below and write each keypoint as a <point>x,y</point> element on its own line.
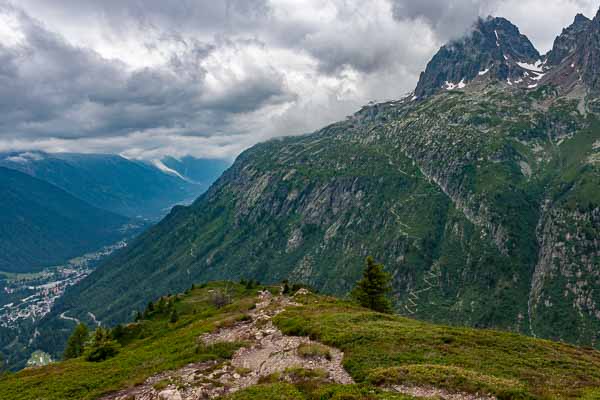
<point>33,295</point>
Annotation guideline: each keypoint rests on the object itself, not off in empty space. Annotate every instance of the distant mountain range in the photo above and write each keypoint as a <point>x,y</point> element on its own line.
<point>130,188</point>
<point>60,205</point>
<point>480,192</point>
<point>42,225</point>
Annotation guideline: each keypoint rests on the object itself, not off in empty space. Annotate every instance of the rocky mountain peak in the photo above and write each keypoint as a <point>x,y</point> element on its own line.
<point>494,49</point>
<point>580,18</point>
<point>566,43</point>
<point>507,38</point>
<point>588,54</point>
<point>575,56</point>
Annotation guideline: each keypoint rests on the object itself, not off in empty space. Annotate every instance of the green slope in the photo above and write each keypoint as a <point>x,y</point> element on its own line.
<point>480,194</point>
<point>42,225</point>
<point>379,350</point>
<point>459,195</point>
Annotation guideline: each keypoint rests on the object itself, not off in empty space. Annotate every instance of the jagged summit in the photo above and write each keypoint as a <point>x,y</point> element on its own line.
<point>579,18</point>
<point>588,54</point>
<point>495,49</point>
<point>566,43</point>
<point>574,61</point>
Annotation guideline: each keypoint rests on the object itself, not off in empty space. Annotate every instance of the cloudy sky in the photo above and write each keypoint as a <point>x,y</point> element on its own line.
<point>146,78</point>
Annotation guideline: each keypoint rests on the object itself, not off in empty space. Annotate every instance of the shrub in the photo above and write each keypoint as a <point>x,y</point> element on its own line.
<point>313,350</point>
<point>286,288</point>
<point>102,346</point>
<point>174,317</point>
<point>219,298</point>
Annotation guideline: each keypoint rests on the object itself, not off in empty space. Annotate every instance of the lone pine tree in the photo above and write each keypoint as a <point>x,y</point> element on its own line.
<point>371,291</point>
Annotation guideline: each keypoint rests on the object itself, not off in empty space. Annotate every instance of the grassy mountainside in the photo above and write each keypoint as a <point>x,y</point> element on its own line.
<point>380,351</point>
<point>463,196</point>
<point>41,225</point>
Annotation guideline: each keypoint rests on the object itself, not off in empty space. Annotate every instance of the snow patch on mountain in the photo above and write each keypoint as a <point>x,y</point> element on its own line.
<point>537,67</point>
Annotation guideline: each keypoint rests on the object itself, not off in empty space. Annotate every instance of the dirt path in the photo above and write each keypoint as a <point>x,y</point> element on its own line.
<point>269,351</point>
<point>436,393</point>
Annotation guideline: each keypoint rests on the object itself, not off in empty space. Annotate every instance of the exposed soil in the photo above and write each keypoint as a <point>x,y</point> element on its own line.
<point>432,392</point>
<point>268,352</point>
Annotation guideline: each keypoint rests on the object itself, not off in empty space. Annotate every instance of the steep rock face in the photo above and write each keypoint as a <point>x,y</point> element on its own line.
<point>567,42</point>
<point>564,299</point>
<point>492,50</point>
<point>574,61</point>
<point>588,55</point>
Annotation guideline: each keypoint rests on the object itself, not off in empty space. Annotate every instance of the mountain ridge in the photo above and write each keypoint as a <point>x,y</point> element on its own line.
<point>128,187</point>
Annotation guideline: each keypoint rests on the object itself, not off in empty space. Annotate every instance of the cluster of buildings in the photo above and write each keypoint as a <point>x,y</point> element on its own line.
<point>41,290</point>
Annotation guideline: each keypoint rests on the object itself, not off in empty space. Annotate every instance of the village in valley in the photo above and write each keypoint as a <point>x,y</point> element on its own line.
<point>29,297</point>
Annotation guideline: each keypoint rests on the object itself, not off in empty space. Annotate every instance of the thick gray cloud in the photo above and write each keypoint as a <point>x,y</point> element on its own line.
<point>448,18</point>
<point>147,78</point>
<point>51,89</point>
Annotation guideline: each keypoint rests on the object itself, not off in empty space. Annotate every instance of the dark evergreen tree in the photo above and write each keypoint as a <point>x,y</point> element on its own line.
<point>174,317</point>
<point>149,310</point>
<point>161,305</point>
<point>371,291</point>
<point>286,288</point>
<point>118,332</point>
<point>76,342</point>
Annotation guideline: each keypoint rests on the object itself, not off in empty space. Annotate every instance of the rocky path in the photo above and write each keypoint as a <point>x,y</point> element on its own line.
<point>436,393</point>
<point>268,351</point>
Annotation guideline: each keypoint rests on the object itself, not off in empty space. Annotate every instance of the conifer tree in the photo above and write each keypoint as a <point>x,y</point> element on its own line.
<point>118,332</point>
<point>149,310</point>
<point>161,305</point>
<point>174,317</point>
<point>371,291</point>
<point>76,342</point>
<point>286,288</point>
